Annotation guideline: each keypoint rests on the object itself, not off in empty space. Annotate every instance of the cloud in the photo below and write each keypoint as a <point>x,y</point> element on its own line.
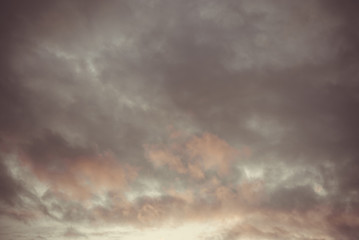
<point>9,187</point>
<point>194,156</point>
<point>145,112</point>
<point>73,233</point>
<point>75,171</point>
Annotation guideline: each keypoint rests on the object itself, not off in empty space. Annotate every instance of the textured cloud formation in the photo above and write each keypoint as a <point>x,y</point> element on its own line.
<point>159,119</point>
<point>195,156</point>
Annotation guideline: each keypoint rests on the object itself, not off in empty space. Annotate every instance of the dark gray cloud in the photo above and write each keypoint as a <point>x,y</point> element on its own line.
<point>9,187</point>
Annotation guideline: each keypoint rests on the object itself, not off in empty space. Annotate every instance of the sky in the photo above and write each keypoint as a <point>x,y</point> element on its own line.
<point>187,119</point>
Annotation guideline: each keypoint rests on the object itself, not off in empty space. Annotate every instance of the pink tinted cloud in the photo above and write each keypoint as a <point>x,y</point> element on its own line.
<point>211,152</point>
<point>82,177</point>
<point>195,155</point>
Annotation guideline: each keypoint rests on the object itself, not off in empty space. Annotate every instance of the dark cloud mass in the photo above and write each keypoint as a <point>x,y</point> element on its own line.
<point>142,119</point>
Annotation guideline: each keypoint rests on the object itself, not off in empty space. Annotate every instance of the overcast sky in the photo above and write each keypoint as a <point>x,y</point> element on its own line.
<point>179,119</point>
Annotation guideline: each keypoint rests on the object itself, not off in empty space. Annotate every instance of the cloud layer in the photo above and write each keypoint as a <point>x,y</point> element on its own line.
<point>129,116</point>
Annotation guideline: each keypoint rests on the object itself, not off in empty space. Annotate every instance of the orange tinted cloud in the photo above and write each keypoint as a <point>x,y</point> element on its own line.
<point>194,156</point>
<point>164,157</point>
<point>211,152</point>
